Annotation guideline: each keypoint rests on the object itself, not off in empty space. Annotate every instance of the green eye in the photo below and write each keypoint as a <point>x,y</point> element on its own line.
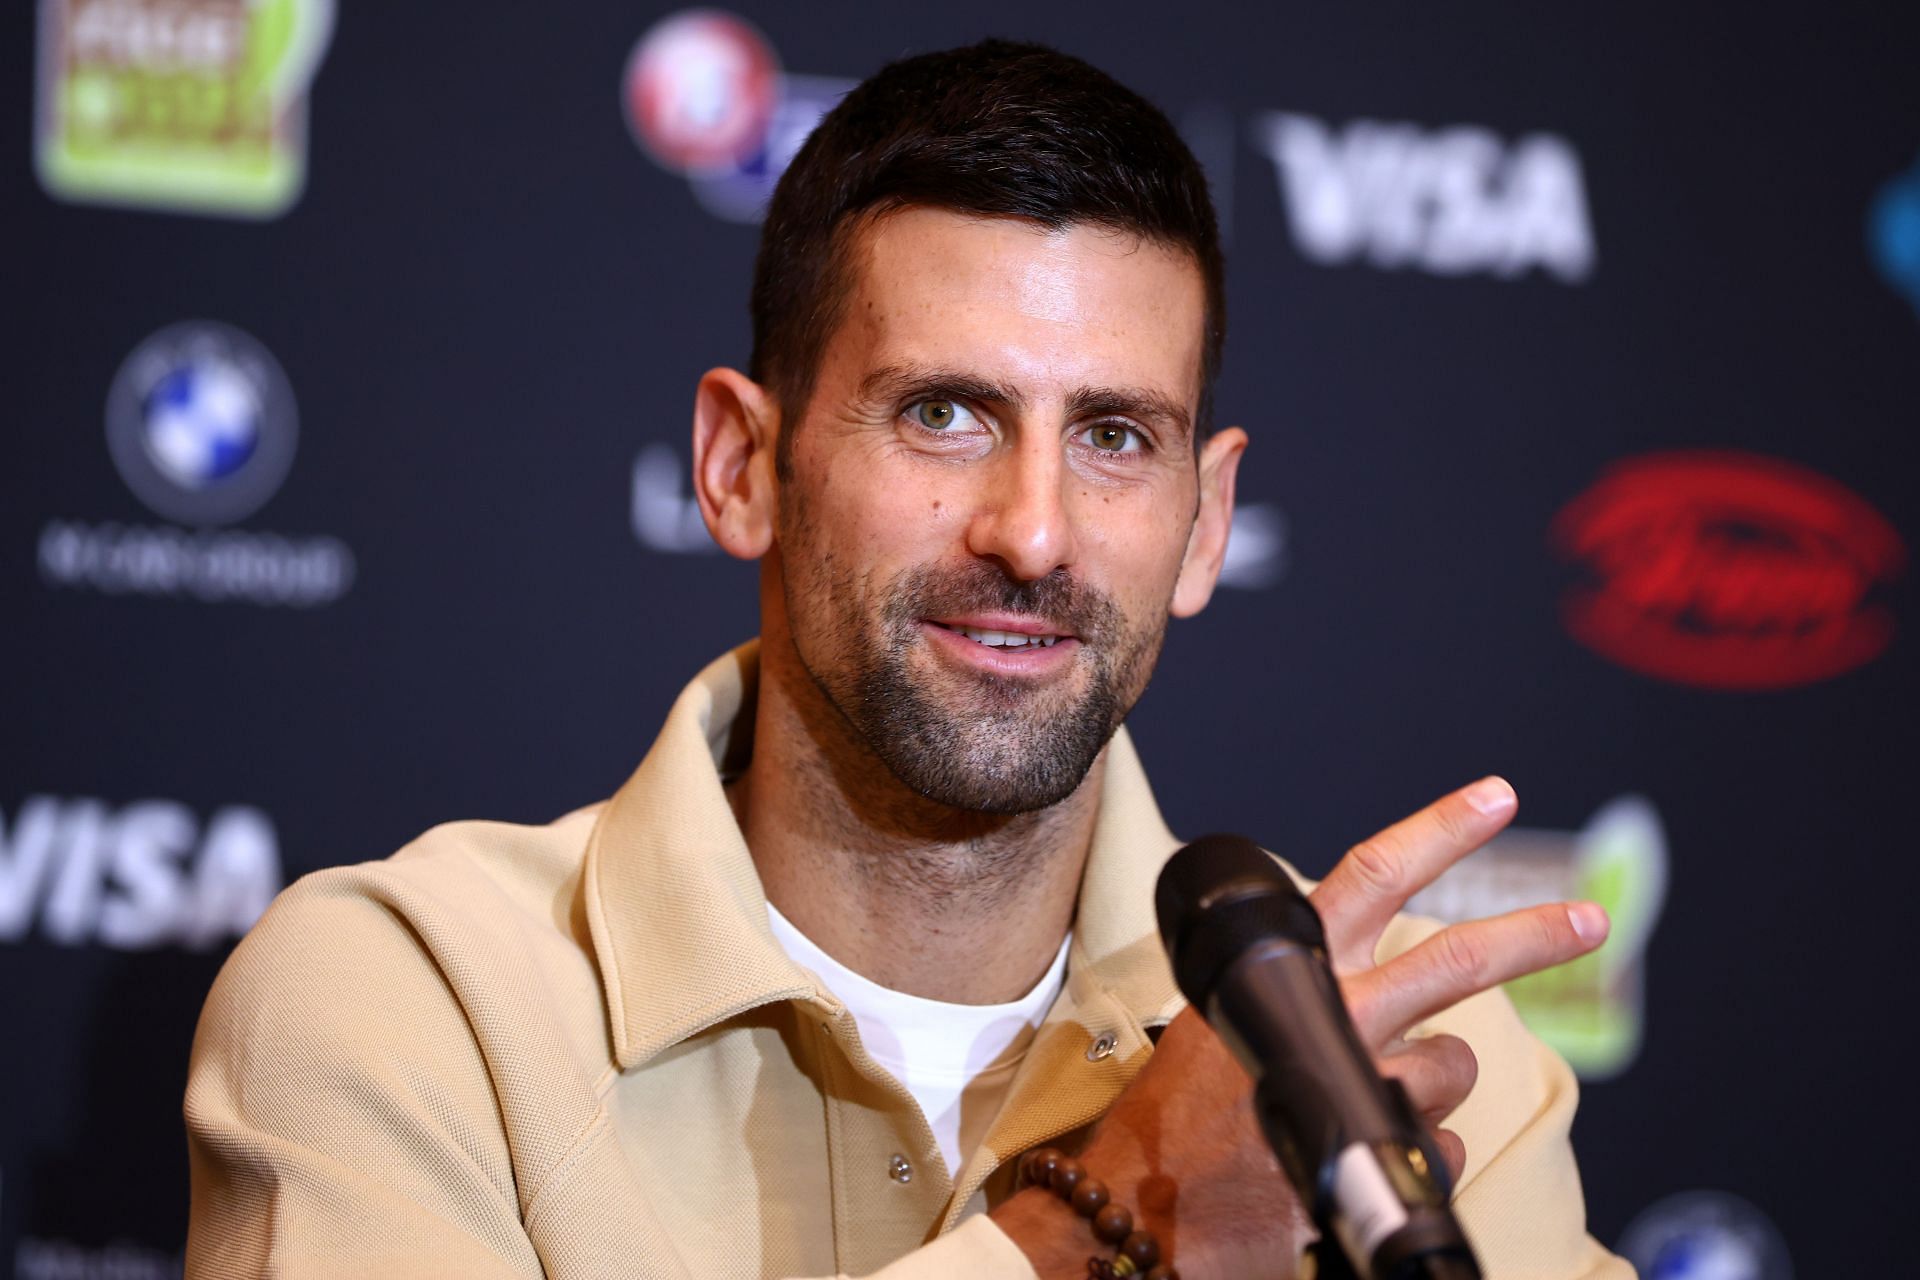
<point>937,414</point>
<point>1110,438</point>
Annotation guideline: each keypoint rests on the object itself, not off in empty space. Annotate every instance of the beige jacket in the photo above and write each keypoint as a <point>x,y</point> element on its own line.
<point>576,1051</point>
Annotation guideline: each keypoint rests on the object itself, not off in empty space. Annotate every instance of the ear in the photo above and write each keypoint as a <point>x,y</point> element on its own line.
<point>1207,541</point>
<point>735,424</point>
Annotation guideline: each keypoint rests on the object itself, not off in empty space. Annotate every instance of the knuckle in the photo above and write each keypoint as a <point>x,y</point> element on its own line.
<point>1358,993</point>
<point>1413,1066</point>
<point>1552,931</point>
<point>1452,821</point>
<point>1458,1061</point>
<point>1464,954</point>
<point>1441,1068</point>
<point>1377,866</point>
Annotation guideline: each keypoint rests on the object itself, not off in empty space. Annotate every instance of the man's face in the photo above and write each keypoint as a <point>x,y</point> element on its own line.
<point>990,498</point>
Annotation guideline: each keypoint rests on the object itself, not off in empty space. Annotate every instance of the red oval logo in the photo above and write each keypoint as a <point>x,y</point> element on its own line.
<point>1727,570</point>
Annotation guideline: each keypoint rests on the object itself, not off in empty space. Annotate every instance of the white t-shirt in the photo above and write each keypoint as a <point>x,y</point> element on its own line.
<point>955,1059</point>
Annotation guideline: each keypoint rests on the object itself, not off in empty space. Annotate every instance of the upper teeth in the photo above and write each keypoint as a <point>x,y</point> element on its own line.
<point>1006,639</point>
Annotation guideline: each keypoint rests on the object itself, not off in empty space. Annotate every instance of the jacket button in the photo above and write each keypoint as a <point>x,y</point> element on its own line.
<point>1102,1046</point>
<point>900,1169</point>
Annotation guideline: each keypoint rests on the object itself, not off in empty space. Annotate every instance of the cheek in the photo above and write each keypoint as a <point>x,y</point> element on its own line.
<point>874,524</point>
<point>888,502</point>
<point>1138,546</point>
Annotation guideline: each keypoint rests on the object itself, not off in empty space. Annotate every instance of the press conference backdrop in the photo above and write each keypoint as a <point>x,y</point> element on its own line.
<point>348,365</point>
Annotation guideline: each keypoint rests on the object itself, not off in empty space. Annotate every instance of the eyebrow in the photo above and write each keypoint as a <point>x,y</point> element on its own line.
<point>898,381</point>
<point>1132,402</point>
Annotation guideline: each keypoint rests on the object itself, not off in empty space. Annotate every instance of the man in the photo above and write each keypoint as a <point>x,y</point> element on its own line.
<point>873,917</point>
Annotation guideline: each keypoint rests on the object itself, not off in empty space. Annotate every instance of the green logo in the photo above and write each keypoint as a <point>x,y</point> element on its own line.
<point>191,105</point>
<point>1589,1011</point>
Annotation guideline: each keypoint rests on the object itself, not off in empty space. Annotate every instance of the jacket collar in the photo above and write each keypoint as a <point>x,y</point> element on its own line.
<point>679,920</point>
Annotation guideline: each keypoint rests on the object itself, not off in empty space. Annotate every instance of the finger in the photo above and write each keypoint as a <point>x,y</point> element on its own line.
<point>1437,1072</point>
<point>1464,959</point>
<point>1377,876</point>
<point>1453,1151</point>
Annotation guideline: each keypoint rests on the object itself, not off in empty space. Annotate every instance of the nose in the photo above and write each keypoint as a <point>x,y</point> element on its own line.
<point>1022,519</point>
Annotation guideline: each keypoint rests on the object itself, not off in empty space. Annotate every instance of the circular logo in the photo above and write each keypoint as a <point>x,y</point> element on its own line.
<point>201,423</point>
<point>1895,232</point>
<point>700,90</point>
<point>1705,1235</point>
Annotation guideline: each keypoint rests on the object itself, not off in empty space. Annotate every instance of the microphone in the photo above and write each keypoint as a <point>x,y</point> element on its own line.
<point>1250,954</point>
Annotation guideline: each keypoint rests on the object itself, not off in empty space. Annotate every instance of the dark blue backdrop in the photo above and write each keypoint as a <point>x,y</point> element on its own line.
<point>392,531</point>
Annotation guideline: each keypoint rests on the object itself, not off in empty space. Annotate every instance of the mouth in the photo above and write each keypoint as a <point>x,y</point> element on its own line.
<point>1012,635</point>
<point>1004,645</point>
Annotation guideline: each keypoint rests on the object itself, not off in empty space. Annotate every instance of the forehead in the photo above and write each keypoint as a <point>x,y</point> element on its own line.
<point>1047,310</point>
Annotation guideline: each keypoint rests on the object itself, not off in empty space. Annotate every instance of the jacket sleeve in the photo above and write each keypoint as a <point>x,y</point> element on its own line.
<point>340,1120</point>
<point>1519,1197</point>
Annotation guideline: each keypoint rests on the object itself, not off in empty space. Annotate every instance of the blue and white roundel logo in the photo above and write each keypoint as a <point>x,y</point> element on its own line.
<point>1705,1235</point>
<point>201,423</point>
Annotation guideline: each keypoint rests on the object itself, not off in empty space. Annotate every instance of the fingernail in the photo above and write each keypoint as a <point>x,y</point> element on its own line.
<point>1491,795</point>
<point>1589,920</point>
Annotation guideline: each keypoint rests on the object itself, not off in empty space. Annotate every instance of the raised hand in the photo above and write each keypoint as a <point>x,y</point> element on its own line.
<point>1373,882</point>
<point>1181,1145</point>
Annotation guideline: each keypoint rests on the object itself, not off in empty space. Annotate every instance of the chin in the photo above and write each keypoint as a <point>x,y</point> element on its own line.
<point>965,762</point>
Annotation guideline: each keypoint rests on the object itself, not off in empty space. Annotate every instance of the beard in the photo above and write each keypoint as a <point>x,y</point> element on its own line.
<point>986,743</point>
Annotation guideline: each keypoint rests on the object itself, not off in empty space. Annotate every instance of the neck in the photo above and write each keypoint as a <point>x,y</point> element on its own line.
<point>914,895</point>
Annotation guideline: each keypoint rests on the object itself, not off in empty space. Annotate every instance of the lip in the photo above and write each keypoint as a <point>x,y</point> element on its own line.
<point>1023,624</point>
<point>1031,661</point>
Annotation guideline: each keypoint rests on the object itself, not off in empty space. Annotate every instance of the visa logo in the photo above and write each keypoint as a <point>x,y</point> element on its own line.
<point>146,874</point>
<point>1451,202</point>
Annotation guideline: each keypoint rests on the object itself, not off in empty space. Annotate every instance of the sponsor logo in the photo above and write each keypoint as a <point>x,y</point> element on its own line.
<point>201,423</point>
<point>1257,551</point>
<point>202,427</point>
<point>1893,233</point>
<point>1727,570</point>
<point>701,87</point>
<point>705,97</point>
<point>64,1260</point>
<point>1590,1010</point>
<point>148,874</point>
<point>1455,201</point>
<point>666,518</point>
<point>193,105</point>
<point>1705,1235</point>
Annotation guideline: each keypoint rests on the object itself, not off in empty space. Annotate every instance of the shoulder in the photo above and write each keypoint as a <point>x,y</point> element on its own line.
<point>421,1039</point>
<point>481,862</point>
<point>469,917</point>
<point>469,879</point>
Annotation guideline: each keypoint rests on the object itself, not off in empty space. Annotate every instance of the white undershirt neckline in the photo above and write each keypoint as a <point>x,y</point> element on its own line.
<point>955,1059</point>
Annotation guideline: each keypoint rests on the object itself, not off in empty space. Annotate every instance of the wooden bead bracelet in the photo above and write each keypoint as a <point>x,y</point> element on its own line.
<point>1138,1252</point>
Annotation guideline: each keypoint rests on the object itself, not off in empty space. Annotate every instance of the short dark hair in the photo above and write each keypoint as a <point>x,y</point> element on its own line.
<point>995,128</point>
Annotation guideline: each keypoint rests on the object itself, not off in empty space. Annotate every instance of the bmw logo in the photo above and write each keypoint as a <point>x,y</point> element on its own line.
<point>201,423</point>
<point>1705,1235</point>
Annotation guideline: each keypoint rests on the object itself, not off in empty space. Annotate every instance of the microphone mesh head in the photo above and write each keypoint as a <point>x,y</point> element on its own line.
<point>1219,896</point>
